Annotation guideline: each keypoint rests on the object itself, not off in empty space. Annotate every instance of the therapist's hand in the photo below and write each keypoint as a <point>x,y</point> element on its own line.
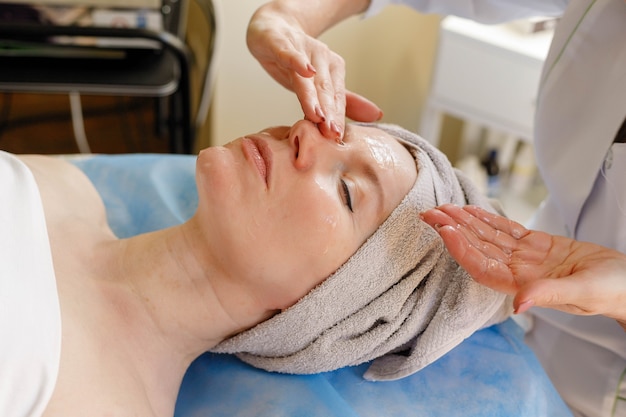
<point>540,269</point>
<point>307,66</point>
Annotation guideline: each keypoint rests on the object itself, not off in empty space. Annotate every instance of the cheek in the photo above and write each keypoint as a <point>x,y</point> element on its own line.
<point>317,232</point>
<point>313,209</point>
<point>319,227</point>
<point>292,244</point>
<point>309,247</point>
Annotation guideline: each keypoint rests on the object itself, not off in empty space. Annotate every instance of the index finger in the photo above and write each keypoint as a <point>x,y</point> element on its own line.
<point>330,86</point>
<point>497,236</point>
<point>501,223</point>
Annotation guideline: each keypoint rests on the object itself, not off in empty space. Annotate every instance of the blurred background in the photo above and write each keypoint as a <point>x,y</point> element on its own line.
<point>470,107</point>
<point>381,65</point>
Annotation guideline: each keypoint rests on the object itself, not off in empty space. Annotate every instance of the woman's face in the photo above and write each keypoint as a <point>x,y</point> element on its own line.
<point>285,208</point>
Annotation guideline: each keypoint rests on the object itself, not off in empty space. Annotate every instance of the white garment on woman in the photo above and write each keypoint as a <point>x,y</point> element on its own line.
<point>30,317</point>
<point>581,105</point>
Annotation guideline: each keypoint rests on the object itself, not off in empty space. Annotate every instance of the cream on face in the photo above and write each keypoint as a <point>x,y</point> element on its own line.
<point>381,153</point>
<point>290,233</point>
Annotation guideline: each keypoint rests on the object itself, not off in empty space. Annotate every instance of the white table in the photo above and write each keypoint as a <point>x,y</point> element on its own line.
<point>486,74</point>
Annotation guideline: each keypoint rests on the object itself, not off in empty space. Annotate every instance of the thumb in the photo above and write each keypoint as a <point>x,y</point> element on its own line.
<point>562,294</point>
<point>360,109</point>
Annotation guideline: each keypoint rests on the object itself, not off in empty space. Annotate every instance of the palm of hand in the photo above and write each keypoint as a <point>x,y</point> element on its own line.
<point>538,268</point>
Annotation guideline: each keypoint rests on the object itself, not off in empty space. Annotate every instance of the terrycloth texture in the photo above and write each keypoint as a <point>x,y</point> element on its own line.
<point>400,298</point>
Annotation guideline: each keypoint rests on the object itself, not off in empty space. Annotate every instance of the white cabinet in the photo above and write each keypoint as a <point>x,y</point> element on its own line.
<point>487,74</point>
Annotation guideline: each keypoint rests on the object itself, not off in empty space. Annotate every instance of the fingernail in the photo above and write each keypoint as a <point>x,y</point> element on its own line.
<point>524,306</point>
<point>319,113</point>
<point>334,127</point>
<point>380,115</point>
<point>311,68</point>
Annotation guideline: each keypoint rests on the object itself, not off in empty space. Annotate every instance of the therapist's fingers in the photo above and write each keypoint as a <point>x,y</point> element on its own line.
<point>527,251</point>
<point>498,222</point>
<point>324,97</point>
<point>485,262</point>
<point>300,83</point>
<point>329,84</point>
<point>489,270</point>
<point>280,50</point>
<point>309,68</point>
<point>485,226</point>
<point>297,61</point>
<point>503,259</point>
<point>540,269</point>
<point>360,109</point>
<point>293,71</point>
<point>480,236</point>
<point>307,94</point>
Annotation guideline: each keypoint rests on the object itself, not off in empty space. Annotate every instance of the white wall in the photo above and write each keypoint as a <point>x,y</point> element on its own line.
<point>389,59</point>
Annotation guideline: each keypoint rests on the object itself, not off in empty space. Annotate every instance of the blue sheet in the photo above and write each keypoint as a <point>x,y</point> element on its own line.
<point>492,373</point>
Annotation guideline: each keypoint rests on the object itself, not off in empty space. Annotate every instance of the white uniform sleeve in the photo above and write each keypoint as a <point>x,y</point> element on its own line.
<point>484,11</point>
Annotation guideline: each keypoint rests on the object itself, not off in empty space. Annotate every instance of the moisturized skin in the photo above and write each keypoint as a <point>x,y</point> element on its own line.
<point>381,154</point>
<point>300,210</point>
<point>279,211</point>
<point>539,269</point>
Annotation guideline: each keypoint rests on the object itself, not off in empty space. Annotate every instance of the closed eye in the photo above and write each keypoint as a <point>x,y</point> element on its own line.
<point>346,195</point>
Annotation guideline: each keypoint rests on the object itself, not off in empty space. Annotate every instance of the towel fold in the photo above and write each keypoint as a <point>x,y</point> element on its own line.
<point>400,301</point>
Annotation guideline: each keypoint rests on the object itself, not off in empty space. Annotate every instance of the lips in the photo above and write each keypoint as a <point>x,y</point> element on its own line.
<point>259,153</point>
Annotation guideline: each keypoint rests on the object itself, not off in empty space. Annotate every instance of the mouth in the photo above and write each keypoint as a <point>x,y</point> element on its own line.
<point>260,154</point>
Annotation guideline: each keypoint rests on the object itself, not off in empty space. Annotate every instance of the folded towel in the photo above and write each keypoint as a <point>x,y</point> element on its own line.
<point>400,300</point>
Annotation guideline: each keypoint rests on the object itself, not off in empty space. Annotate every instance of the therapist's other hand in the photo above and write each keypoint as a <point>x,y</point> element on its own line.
<point>538,268</point>
<point>308,67</point>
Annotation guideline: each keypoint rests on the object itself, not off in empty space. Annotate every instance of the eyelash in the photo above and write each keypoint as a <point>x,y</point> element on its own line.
<point>346,194</point>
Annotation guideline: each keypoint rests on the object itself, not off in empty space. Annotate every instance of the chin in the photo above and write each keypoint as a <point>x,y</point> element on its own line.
<point>215,170</point>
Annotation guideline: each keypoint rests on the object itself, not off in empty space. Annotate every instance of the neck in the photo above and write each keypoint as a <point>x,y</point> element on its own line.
<point>175,304</point>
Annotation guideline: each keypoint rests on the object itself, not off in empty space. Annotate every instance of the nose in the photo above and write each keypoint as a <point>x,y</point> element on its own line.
<point>307,142</point>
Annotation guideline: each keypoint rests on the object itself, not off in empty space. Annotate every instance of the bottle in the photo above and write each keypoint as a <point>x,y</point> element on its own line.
<point>471,166</point>
<point>492,168</point>
<point>523,170</point>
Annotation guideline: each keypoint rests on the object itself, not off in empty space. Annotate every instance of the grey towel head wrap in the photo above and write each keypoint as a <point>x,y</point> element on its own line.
<point>400,301</point>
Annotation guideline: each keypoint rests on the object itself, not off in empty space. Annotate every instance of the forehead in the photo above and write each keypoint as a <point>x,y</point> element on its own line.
<point>384,149</point>
<point>391,160</point>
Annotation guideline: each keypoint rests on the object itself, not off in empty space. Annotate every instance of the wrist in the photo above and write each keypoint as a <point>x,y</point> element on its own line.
<point>313,18</point>
<point>280,13</point>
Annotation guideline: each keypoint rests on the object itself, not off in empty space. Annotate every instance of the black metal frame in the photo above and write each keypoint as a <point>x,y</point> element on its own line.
<point>162,72</point>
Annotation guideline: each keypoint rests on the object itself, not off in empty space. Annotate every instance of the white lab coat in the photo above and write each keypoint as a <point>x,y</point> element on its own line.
<point>581,105</point>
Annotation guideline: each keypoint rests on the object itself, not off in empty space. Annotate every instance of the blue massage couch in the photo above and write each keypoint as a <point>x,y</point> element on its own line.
<point>492,373</point>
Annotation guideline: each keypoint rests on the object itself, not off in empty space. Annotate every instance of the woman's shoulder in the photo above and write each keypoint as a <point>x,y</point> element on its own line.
<point>55,168</point>
<point>55,173</point>
<point>66,192</point>
<point>51,174</point>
